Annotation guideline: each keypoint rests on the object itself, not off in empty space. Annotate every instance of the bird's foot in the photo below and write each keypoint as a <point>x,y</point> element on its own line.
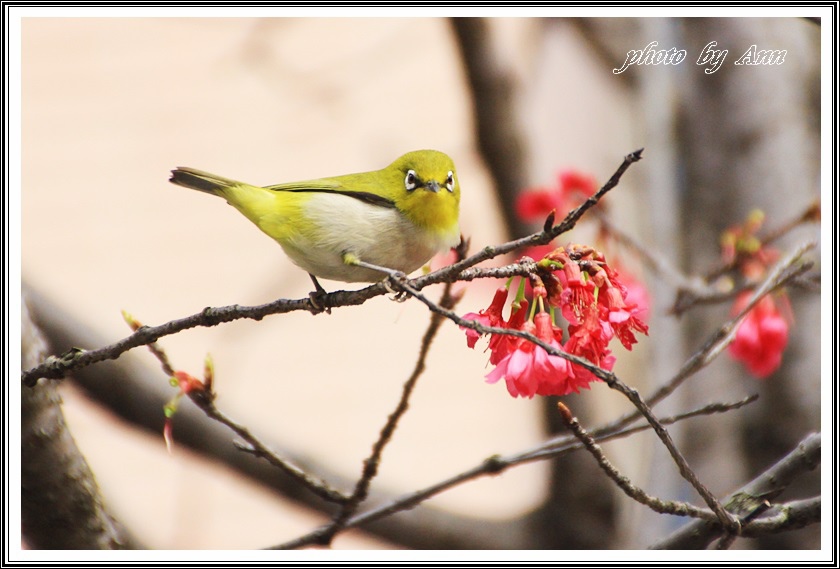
<point>318,299</point>
<point>395,283</point>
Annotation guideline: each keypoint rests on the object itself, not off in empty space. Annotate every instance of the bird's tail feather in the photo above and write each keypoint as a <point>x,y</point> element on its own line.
<point>201,181</point>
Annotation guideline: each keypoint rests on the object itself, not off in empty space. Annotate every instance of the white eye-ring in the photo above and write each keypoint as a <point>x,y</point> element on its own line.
<point>410,180</point>
<point>450,181</point>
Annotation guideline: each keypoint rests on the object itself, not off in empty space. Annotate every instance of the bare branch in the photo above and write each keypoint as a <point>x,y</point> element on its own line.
<point>633,491</point>
<point>765,487</point>
<point>612,431</point>
<point>726,519</point>
<point>256,447</point>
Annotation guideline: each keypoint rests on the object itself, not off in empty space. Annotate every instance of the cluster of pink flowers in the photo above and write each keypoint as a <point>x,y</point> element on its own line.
<point>576,283</point>
<point>597,306</point>
<point>761,337</point>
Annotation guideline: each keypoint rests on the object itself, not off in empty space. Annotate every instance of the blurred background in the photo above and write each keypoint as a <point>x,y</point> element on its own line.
<point>111,105</point>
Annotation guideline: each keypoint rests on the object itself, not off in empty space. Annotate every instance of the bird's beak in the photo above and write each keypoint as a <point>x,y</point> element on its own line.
<point>433,186</point>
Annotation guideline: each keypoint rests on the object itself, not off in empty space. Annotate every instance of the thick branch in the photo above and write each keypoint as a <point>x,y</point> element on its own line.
<point>61,507</point>
<point>786,517</point>
<point>493,90</point>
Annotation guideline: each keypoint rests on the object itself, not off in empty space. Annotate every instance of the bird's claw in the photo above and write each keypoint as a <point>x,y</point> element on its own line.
<point>319,301</point>
<point>394,284</point>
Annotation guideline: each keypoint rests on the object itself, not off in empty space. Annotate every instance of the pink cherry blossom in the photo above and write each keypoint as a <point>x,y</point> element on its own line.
<point>761,337</point>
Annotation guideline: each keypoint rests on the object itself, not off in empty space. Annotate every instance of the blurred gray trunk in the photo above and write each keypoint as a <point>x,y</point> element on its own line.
<point>750,139</point>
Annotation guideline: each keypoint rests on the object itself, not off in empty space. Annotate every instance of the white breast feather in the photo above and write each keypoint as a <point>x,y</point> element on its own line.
<point>377,235</point>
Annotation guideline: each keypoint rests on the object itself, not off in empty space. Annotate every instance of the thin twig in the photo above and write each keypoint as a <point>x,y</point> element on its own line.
<point>254,446</point>
<point>633,491</point>
<point>156,350</point>
<point>161,356</point>
<point>204,399</point>
<point>611,432</point>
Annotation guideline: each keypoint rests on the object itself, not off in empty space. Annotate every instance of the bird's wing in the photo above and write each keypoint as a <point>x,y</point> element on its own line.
<point>333,186</point>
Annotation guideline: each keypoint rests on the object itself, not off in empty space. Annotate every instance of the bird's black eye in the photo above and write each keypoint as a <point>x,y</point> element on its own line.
<point>450,181</point>
<point>410,180</point>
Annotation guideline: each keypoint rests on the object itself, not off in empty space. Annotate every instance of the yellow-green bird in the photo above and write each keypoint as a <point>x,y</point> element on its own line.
<point>356,227</point>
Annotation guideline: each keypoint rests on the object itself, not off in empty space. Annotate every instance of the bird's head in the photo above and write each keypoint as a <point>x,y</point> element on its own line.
<point>424,186</point>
